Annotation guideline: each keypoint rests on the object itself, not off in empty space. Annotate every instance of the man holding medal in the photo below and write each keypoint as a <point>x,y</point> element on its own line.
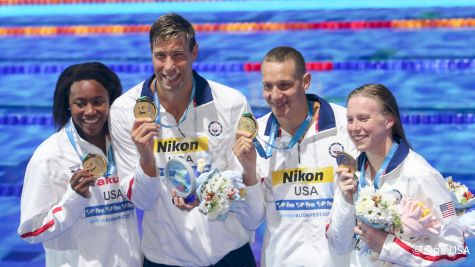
<point>178,114</point>
<point>297,142</point>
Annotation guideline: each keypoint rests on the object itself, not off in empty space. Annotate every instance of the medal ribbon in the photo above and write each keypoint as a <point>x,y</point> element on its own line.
<point>377,177</point>
<point>110,152</point>
<point>156,99</point>
<point>270,145</point>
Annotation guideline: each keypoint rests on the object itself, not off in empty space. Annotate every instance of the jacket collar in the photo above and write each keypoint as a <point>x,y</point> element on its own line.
<point>401,153</point>
<point>203,93</point>
<point>326,116</point>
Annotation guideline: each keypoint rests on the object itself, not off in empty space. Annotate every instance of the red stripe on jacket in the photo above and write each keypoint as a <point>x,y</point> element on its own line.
<point>42,228</point>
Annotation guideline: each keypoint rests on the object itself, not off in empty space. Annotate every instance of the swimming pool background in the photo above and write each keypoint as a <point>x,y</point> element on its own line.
<point>440,91</point>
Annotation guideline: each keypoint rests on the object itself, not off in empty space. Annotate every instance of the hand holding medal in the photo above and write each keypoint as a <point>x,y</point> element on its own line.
<point>81,181</point>
<point>348,182</point>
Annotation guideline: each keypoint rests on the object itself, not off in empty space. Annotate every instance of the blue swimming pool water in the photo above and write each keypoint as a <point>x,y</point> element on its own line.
<point>447,146</point>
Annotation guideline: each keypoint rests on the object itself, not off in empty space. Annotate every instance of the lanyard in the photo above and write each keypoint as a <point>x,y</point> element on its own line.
<point>156,99</point>
<point>270,145</point>
<point>110,152</point>
<point>377,177</point>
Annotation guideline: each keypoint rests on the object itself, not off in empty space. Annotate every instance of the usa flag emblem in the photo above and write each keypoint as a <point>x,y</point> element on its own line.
<point>447,209</point>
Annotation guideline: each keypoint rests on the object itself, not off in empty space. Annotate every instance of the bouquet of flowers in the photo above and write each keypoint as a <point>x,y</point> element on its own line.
<point>378,210</point>
<point>461,196</point>
<point>389,211</point>
<point>219,193</point>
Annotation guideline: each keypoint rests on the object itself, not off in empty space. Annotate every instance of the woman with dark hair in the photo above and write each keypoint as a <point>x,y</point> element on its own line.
<point>388,164</point>
<point>71,200</point>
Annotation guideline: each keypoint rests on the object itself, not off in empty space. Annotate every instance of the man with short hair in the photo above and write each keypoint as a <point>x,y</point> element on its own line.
<point>196,117</point>
<point>298,142</point>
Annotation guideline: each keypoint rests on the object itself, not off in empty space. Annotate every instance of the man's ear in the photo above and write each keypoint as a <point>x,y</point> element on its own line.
<point>307,78</point>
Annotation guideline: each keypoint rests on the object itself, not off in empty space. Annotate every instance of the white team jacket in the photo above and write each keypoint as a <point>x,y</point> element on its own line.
<point>299,186</point>
<point>414,177</point>
<point>170,235</point>
<point>76,231</point>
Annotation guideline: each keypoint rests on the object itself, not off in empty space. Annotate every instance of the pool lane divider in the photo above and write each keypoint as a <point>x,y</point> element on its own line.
<point>81,30</point>
<point>412,119</point>
<point>408,65</point>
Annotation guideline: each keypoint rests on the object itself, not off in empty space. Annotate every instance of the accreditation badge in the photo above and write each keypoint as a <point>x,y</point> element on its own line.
<point>145,108</point>
<point>96,164</point>
<point>345,160</point>
<point>248,123</point>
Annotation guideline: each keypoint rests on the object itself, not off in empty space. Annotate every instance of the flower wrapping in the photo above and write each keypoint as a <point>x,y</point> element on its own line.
<point>461,196</point>
<point>219,193</point>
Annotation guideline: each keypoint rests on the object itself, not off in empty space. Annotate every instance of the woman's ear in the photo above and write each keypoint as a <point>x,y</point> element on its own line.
<point>390,121</point>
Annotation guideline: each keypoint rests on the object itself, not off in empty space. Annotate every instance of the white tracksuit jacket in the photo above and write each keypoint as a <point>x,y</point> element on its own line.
<point>76,231</point>
<point>170,235</point>
<point>413,177</point>
<point>299,186</point>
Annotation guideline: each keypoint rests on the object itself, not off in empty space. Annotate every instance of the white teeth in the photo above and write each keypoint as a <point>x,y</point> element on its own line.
<point>91,121</point>
<point>170,77</point>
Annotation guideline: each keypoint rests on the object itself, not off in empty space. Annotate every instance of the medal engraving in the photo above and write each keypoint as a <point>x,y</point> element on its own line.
<point>249,124</point>
<point>345,160</point>
<point>96,164</point>
<point>145,108</point>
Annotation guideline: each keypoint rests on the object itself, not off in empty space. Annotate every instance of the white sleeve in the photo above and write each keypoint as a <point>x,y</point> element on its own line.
<point>252,213</point>
<point>140,189</point>
<point>43,216</point>
<point>447,247</point>
<point>342,220</point>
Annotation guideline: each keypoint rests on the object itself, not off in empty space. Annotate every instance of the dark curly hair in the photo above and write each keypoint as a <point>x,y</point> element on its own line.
<point>80,72</point>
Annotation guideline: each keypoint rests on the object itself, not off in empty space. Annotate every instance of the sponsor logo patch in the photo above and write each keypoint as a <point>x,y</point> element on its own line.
<point>181,145</point>
<point>335,148</point>
<point>215,128</point>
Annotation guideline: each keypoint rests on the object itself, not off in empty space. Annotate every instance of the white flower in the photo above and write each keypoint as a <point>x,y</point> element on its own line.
<point>377,209</point>
<point>218,192</point>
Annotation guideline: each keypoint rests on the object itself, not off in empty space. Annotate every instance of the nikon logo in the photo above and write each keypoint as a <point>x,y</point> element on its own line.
<point>303,176</point>
<point>181,145</point>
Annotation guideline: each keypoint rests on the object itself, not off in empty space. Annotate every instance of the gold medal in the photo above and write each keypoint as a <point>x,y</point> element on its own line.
<point>145,108</point>
<point>96,164</point>
<point>345,160</point>
<point>248,123</point>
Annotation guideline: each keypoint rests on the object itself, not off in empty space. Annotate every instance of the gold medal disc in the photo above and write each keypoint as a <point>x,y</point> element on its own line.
<point>144,108</point>
<point>345,160</point>
<point>96,164</point>
<point>249,124</point>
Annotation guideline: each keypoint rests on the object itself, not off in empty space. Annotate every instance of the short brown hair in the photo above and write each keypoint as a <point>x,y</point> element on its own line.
<point>283,53</point>
<point>170,26</point>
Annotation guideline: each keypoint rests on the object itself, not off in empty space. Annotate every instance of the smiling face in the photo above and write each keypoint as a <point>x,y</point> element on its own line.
<point>369,128</point>
<point>284,89</point>
<point>172,63</point>
<point>89,104</point>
